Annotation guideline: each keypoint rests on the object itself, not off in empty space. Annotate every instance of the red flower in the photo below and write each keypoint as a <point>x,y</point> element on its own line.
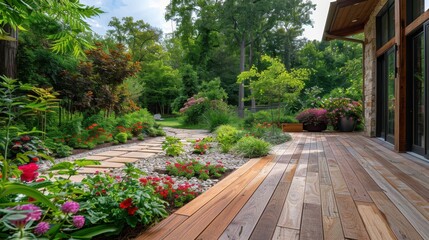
<point>25,138</point>
<point>29,172</point>
<point>35,159</point>
<point>132,210</point>
<point>126,203</point>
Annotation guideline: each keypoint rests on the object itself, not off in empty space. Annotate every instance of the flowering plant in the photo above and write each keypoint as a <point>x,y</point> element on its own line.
<point>194,168</point>
<point>313,116</point>
<point>172,146</point>
<point>342,107</point>
<point>202,145</point>
<point>175,194</point>
<point>191,102</point>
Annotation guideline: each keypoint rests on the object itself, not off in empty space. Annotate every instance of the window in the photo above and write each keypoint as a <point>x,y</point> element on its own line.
<point>416,8</point>
<point>386,24</point>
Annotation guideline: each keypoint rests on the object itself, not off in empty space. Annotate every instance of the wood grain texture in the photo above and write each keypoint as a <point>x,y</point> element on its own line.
<point>353,226</point>
<point>286,233</point>
<point>332,228</point>
<point>312,224</point>
<point>163,228</point>
<point>375,222</point>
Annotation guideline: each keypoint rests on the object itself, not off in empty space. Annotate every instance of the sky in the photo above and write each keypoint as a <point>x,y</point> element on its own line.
<point>153,11</point>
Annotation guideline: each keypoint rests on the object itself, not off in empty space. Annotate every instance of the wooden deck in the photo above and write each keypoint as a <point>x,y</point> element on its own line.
<point>319,186</point>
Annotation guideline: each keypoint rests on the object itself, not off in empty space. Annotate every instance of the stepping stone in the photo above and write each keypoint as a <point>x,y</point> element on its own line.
<point>122,160</point>
<point>155,148</point>
<point>94,170</point>
<point>149,144</point>
<point>77,178</point>
<point>96,158</point>
<point>138,155</point>
<point>105,164</point>
<point>111,153</point>
<point>151,151</point>
<point>130,149</point>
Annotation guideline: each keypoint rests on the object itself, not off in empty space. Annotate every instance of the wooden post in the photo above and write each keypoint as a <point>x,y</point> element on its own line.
<point>401,77</point>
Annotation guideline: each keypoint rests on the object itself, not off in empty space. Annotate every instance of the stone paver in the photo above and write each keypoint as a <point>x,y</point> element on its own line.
<point>105,164</point>
<point>96,158</point>
<point>116,158</point>
<point>138,155</point>
<point>122,160</point>
<point>111,153</point>
<point>91,170</point>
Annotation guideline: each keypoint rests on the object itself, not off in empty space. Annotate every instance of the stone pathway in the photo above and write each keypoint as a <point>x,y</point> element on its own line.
<point>116,158</point>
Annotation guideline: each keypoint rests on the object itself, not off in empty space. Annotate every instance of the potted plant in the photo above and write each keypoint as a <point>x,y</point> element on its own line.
<point>313,119</point>
<point>344,113</point>
<point>290,124</point>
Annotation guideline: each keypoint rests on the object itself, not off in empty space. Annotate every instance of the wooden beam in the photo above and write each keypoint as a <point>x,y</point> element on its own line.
<point>418,22</point>
<point>401,77</point>
<point>344,38</point>
<point>346,3</point>
<point>348,31</point>
<point>385,47</point>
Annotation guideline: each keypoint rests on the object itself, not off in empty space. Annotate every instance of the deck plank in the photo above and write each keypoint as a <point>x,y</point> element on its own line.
<point>266,225</point>
<point>319,186</point>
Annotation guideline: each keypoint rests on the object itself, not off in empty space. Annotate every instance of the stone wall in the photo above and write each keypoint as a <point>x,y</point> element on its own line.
<point>370,72</point>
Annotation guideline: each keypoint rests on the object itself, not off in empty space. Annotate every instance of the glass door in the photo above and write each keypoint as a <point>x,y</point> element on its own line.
<point>386,95</point>
<point>419,96</point>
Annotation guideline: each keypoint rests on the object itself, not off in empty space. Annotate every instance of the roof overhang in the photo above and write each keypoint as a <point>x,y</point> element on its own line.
<point>347,17</point>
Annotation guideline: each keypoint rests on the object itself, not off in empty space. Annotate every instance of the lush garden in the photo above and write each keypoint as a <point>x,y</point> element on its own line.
<point>65,90</point>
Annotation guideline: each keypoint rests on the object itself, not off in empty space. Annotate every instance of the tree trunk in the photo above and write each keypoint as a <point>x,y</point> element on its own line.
<point>241,88</point>
<point>8,50</point>
<point>253,108</point>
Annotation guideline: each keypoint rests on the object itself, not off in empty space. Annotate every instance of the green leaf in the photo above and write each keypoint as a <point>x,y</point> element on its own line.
<point>17,188</point>
<point>62,166</point>
<point>91,232</point>
<point>86,162</point>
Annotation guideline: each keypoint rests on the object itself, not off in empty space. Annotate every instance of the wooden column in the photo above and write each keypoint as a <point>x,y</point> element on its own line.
<point>401,77</point>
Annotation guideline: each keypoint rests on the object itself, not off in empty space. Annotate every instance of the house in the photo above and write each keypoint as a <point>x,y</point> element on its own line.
<point>396,66</point>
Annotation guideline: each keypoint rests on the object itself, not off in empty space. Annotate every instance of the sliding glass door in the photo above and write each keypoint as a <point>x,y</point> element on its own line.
<point>386,95</point>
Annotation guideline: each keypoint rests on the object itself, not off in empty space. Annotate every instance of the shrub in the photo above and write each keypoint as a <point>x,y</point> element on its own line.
<point>30,146</point>
<point>172,146</point>
<point>201,146</point>
<point>59,149</point>
<point>215,118</point>
<point>193,109</point>
<point>342,107</point>
<point>269,133</point>
<point>140,137</point>
<point>227,136</point>
<point>249,146</point>
<point>166,188</point>
<point>194,168</point>
<point>313,116</point>
<point>121,137</point>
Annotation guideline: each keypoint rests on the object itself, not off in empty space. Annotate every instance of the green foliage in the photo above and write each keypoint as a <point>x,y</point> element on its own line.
<point>140,137</point>
<point>194,109</point>
<point>121,137</point>
<point>227,136</point>
<point>18,14</point>
<point>212,90</point>
<point>250,146</point>
<point>121,200</point>
<point>166,188</point>
<point>269,133</point>
<point>172,146</point>
<point>215,118</point>
<point>342,107</point>
<point>194,168</point>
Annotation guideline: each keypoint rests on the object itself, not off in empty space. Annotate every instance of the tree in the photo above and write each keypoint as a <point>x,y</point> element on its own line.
<point>161,84</point>
<point>16,15</point>
<point>275,85</point>
<point>141,39</point>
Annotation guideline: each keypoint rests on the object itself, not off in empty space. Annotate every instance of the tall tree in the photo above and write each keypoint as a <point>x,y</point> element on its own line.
<point>141,39</point>
<point>16,15</point>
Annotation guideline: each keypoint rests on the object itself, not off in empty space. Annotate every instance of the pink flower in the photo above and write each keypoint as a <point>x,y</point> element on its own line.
<point>30,212</point>
<point>29,172</point>
<point>70,207</point>
<point>41,228</point>
<point>78,221</point>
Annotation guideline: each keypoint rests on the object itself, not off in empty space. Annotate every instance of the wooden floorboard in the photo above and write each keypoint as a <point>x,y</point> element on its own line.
<point>318,186</point>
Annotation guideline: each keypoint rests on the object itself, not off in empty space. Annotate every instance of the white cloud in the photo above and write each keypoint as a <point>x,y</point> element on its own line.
<point>153,12</point>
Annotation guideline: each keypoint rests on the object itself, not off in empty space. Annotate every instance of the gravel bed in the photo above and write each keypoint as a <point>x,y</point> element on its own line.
<point>155,165</point>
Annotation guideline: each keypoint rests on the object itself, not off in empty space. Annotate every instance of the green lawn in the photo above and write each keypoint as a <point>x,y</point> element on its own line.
<point>175,122</point>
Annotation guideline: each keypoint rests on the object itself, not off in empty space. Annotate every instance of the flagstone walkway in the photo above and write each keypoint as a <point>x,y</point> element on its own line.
<point>130,153</point>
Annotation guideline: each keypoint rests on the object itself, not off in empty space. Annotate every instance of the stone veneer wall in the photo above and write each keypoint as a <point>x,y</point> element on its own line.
<point>370,72</point>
